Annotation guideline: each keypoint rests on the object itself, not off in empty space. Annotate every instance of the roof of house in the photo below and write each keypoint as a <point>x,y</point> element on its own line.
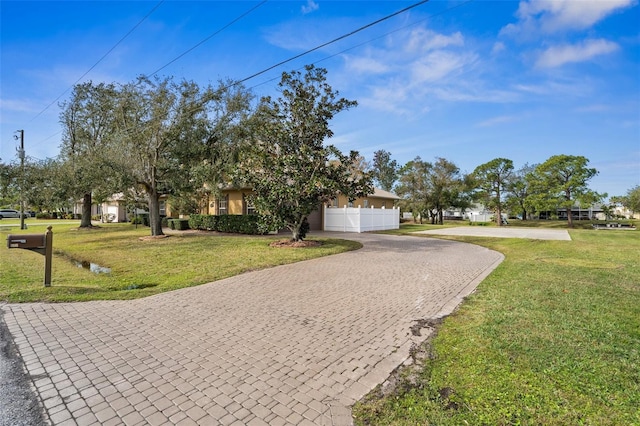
<point>380,193</point>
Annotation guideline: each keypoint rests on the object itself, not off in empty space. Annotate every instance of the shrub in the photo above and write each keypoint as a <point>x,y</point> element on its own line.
<point>181,224</point>
<point>43,215</point>
<point>178,224</point>
<point>140,219</point>
<point>204,222</point>
<point>237,224</point>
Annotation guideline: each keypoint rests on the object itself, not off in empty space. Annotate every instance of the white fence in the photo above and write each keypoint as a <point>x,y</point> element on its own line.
<point>356,219</point>
<point>481,217</point>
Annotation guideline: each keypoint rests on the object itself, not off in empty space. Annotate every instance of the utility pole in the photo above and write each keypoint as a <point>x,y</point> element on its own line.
<point>21,155</point>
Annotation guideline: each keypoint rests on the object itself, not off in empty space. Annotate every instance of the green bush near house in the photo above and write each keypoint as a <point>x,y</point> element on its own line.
<point>178,224</point>
<point>235,224</point>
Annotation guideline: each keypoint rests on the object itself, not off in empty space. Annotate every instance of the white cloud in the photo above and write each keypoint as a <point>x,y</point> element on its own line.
<point>311,6</point>
<point>439,65</point>
<point>497,120</point>
<point>498,47</point>
<point>16,105</point>
<point>422,39</point>
<point>556,56</point>
<point>365,65</point>
<point>391,98</point>
<point>552,16</point>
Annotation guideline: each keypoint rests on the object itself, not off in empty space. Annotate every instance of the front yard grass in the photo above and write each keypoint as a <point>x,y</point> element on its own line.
<point>138,268</point>
<point>551,337</point>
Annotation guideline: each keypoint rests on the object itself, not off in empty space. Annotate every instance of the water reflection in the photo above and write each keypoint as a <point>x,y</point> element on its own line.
<point>93,267</point>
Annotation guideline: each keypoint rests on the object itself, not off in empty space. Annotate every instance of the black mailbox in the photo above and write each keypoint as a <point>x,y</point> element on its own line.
<point>31,241</point>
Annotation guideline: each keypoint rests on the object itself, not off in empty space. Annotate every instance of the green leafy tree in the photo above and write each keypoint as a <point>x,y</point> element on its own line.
<point>46,186</point>
<point>163,130</point>
<point>412,188</point>
<point>631,201</point>
<point>561,182</point>
<point>385,170</point>
<point>519,189</point>
<point>214,159</point>
<point>288,165</point>
<point>88,127</point>
<point>9,184</point>
<point>492,179</point>
<point>446,188</point>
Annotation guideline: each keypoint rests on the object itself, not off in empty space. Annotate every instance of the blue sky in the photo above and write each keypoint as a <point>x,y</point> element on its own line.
<point>466,81</point>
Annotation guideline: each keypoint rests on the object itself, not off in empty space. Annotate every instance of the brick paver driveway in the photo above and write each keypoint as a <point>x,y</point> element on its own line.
<point>295,344</point>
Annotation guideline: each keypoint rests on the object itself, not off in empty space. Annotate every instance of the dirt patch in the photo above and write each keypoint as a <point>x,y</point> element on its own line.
<point>410,374</point>
<point>295,244</point>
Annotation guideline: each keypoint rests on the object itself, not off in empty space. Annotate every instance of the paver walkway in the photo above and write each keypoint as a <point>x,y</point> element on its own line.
<point>295,344</point>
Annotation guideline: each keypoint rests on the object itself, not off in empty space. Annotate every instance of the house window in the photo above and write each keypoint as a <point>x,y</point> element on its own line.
<point>350,204</point>
<point>365,203</point>
<point>333,202</point>
<point>223,204</point>
<point>249,207</point>
<point>163,208</point>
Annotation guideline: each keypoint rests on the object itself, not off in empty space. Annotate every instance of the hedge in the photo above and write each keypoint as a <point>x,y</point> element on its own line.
<point>231,223</point>
<point>178,224</point>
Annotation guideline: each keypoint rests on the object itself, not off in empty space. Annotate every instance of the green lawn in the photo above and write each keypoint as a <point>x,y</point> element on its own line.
<point>138,268</point>
<point>551,337</point>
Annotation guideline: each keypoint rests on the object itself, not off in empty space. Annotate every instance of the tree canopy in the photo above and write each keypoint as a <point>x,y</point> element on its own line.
<point>491,180</point>
<point>561,182</point>
<point>288,165</point>
<point>385,170</point>
<point>88,126</point>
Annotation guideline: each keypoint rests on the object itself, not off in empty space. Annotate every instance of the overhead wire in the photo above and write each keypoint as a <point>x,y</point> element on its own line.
<point>208,38</point>
<point>156,71</point>
<point>332,41</point>
<point>373,39</point>
<point>99,60</point>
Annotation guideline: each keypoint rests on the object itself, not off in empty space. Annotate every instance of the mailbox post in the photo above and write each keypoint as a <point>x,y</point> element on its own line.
<point>40,243</point>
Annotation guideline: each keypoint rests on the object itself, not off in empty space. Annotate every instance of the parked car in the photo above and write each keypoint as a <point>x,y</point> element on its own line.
<point>8,213</point>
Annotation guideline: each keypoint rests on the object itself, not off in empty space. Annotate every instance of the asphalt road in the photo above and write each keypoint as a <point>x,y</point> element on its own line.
<point>18,402</point>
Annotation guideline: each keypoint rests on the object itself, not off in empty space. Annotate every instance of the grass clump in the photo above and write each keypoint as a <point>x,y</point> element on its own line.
<point>551,337</point>
<point>138,268</point>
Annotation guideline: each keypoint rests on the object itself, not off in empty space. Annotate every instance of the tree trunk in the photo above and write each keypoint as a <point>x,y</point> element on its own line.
<point>155,221</point>
<point>295,231</point>
<point>569,218</point>
<point>498,216</point>
<point>85,221</point>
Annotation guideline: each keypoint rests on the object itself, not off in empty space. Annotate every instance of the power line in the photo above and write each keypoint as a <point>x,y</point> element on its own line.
<point>306,52</point>
<point>208,38</point>
<point>99,60</point>
<point>375,38</point>
<point>332,41</point>
<point>159,69</point>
